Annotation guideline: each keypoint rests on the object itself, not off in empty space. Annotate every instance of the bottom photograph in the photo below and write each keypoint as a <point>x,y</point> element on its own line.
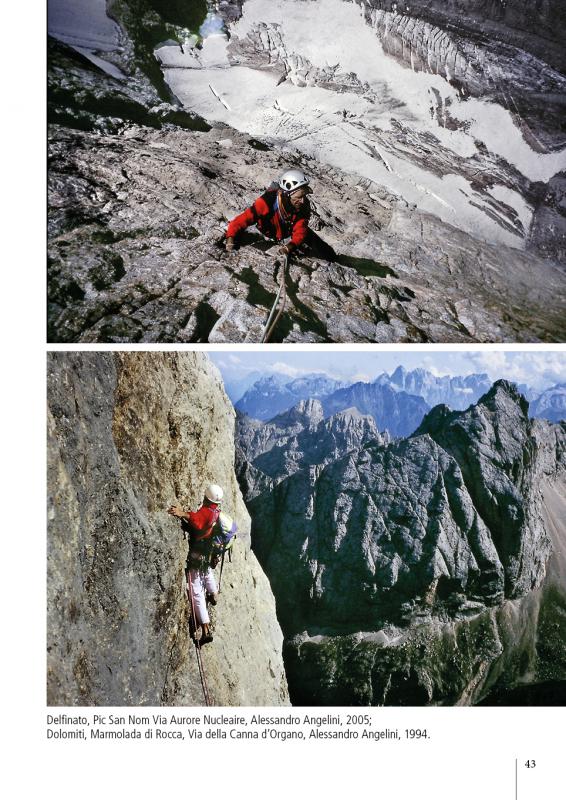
<point>306,528</point>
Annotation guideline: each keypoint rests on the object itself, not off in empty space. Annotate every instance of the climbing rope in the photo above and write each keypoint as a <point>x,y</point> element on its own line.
<point>281,295</point>
<point>221,570</point>
<point>197,642</point>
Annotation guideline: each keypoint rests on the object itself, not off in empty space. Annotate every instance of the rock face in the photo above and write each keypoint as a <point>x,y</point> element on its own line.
<point>416,571</point>
<point>141,190</point>
<point>297,440</point>
<point>133,256</point>
<point>128,435</point>
<point>495,449</point>
<point>539,28</point>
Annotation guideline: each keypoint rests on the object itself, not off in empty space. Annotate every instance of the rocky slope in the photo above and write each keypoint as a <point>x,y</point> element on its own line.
<point>128,435</point>
<point>420,571</point>
<point>141,189</point>
<point>299,439</point>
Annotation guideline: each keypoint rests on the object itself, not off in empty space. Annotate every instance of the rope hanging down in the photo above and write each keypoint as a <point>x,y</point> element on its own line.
<point>197,643</point>
<point>273,318</point>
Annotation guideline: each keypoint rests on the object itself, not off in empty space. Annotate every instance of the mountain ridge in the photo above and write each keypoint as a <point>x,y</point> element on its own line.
<point>396,542</point>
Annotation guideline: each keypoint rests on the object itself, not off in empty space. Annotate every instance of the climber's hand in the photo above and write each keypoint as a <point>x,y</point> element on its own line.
<point>176,511</point>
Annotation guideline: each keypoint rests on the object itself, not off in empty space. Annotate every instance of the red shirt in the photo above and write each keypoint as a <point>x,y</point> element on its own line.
<point>271,222</point>
<point>203,521</point>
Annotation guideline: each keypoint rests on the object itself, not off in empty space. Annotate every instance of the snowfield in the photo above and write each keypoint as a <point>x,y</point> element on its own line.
<point>374,117</point>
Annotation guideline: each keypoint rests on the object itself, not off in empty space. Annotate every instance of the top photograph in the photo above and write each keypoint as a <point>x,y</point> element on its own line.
<point>306,171</point>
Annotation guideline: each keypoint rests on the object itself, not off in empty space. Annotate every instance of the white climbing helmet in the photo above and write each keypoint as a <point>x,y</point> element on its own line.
<point>293,179</point>
<point>214,493</point>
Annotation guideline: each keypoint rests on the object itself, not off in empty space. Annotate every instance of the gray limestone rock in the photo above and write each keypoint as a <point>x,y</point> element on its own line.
<point>140,191</point>
<point>395,559</point>
<point>495,449</point>
<point>295,440</point>
<point>484,656</point>
<point>130,434</point>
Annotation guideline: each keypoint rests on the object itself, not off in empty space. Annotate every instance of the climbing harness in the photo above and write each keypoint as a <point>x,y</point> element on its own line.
<point>200,558</point>
<point>197,641</point>
<point>280,300</point>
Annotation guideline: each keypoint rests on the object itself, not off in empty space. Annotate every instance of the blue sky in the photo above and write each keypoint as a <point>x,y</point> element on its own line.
<point>536,368</point>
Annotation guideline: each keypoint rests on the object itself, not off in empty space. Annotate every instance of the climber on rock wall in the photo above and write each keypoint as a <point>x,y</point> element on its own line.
<point>199,526</point>
<point>283,211</point>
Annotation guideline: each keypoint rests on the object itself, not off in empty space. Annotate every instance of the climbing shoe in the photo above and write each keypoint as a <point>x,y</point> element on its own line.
<point>206,638</point>
<point>212,599</point>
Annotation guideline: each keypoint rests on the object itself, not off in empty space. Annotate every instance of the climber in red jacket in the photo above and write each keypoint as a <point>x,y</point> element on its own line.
<point>281,212</point>
<point>199,526</point>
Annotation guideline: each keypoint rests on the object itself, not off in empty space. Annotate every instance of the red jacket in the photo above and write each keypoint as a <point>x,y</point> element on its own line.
<point>202,522</point>
<point>272,220</point>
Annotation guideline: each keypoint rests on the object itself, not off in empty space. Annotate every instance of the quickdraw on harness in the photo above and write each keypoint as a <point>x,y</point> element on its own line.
<point>206,548</point>
<point>211,545</point>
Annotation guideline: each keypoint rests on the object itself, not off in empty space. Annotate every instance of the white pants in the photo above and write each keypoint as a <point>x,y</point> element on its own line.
<point>202,582</point>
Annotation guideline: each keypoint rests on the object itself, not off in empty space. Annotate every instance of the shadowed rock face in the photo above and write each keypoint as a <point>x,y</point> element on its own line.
<point>538,27</point>
<point>141,190</point>
<point>388,561</point>
<point>495,450</point>
<point>129,435</point>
